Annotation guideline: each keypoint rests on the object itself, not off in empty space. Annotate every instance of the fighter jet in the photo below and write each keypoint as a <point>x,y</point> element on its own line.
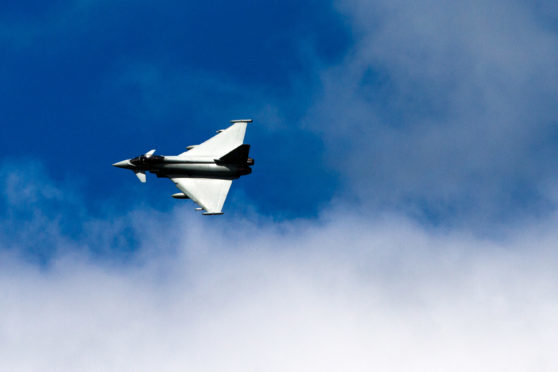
<point>205,172</point>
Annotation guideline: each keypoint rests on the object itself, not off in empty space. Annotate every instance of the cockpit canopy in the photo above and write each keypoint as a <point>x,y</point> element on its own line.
<point>144,160</point>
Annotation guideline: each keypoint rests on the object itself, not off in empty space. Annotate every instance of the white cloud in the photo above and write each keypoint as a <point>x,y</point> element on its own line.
<point>341,293</point>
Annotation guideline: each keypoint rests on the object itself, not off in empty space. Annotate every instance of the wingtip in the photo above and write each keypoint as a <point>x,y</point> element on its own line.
<point>241,121</point>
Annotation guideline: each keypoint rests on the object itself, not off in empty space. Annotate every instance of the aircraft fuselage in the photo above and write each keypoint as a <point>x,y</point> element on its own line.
<point>174,166</point>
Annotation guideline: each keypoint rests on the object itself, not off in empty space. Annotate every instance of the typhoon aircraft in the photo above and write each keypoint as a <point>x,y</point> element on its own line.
<point>205,172</point>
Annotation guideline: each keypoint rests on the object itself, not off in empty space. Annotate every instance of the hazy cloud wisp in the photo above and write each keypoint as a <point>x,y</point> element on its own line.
<point>444,106</point>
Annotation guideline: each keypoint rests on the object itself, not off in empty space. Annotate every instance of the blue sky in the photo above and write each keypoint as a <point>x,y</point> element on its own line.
<point>402,205</point>
<point>364,108</point>
<point>88,83</point>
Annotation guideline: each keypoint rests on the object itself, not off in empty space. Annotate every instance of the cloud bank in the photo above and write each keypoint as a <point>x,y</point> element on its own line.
<point>342,292</point>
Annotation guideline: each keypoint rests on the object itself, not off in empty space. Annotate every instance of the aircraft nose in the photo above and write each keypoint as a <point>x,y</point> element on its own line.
<point>123,164</point>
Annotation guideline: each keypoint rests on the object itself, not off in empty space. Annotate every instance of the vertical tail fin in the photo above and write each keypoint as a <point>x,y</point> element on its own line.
<point>236,156</point>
